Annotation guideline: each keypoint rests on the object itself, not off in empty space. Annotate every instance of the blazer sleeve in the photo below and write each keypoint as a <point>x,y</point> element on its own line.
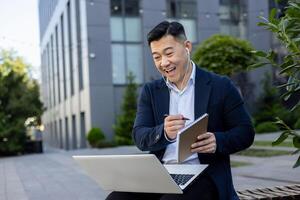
<point>147,135</point>
<point>240,132</point>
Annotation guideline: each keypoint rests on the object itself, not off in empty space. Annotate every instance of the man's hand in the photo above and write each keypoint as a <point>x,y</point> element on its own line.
<point>172,124</point>
<point>206,143</point>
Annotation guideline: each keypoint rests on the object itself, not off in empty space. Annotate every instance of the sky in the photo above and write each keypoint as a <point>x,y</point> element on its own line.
<point>19,30</point>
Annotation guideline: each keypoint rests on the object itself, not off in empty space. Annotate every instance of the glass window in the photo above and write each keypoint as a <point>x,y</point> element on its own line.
<point>132,7</point>
<point>126,36</point>
<point>133,29</point>
<point>60,134</point>
<point>187,9</point>
<point>74,132</point>
<point>181,9</point>
<point>135,61</point>
<point>66,133</point>
<point>82,130</point>
<point>116,7</point>
<point>190,29</point>
<point>184,11</point>
<point>116,29</point>
<point>118,63</point>
<point>233,18</point>
<point>171,9</point>
<point>71,67</point>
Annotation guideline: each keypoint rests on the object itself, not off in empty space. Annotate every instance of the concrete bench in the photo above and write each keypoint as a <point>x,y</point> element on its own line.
<point>282,192</point>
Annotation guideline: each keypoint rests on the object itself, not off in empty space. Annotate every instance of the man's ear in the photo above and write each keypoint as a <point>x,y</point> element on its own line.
<point>188,45</point>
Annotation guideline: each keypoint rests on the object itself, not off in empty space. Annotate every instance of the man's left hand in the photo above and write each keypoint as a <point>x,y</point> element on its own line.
<point>206,143</point>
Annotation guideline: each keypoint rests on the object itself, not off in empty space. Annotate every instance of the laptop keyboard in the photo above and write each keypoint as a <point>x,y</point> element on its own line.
<point>181,179</point>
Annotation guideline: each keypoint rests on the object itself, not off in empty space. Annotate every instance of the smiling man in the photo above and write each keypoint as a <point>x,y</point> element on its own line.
<point>186,91</point>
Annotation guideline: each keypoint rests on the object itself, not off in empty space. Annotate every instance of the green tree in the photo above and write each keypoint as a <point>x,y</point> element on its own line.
<point>124,125</point>
<point>224,54</point>
<point>287,30</point>
<point>19,100</point>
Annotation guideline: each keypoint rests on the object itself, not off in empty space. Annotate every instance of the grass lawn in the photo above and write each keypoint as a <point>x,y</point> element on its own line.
<point>262,152</point>
<point>238,163</point>
<point>287,143</point>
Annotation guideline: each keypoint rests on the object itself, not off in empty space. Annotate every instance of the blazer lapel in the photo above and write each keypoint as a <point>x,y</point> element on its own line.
<point>202,92</point>
<point>162,99</point>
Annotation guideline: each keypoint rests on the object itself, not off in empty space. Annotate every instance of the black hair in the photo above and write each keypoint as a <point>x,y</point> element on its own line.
<point>166,28</point>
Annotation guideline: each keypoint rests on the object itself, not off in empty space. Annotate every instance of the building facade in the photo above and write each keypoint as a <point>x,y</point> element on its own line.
<point>89,46</point>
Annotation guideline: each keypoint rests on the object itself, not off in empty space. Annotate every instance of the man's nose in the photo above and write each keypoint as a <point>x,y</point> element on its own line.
<point>164,61</point>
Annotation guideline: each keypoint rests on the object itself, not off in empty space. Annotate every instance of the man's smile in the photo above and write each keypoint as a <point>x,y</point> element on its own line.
<point>170,71</point>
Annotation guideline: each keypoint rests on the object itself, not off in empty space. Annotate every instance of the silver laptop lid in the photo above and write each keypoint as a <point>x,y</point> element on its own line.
<point>130,173</point>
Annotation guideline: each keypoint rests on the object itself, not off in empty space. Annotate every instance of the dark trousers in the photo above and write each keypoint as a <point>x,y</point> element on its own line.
<point>202,188</point>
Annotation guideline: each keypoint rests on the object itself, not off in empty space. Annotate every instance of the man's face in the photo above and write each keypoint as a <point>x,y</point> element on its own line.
<point>170,58</point>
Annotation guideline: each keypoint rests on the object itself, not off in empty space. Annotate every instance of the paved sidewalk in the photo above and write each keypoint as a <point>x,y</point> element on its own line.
<point>55,175</point>
<point>268,136</point>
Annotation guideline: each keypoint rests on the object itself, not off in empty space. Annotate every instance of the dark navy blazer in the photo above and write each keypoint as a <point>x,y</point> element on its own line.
<point>228,119</point>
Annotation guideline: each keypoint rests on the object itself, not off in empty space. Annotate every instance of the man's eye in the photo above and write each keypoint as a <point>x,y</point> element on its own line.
<point>156,58</point>
<point>169,53</point>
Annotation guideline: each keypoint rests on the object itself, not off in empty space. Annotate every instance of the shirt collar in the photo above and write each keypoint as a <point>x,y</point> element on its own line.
<point>191,80</point>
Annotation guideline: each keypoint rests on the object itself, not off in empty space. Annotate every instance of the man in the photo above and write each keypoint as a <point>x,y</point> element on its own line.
<point>187,91</point>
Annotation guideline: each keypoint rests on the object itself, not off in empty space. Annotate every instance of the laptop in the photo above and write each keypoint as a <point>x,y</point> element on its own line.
<point>138,173</point>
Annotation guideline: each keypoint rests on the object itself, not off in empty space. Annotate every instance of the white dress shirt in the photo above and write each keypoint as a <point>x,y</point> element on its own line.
<point>181,102</point>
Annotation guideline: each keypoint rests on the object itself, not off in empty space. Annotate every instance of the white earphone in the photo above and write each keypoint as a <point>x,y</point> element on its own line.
<point>188,51</point>
<point>188,55</point>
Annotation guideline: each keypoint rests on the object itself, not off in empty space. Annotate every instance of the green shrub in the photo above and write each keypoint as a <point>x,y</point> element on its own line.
<point>224,54</point>
<point>266,127</point>
<point>95,137</point>
<point>297,124</point>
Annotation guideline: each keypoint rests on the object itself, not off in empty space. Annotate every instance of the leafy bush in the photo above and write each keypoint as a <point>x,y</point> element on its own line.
<point>95,137</point>
<point>266,127</point>
<point>297,124</point>
<point>224,54</point>
<point>124,125</point>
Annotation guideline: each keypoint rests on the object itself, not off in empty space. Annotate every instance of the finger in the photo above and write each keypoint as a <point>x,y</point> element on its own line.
<point>211,150</point>
<point>201,143</point>
<point>175,128</point>
<point>173,117</point>
<point>176,122</point>
<point>203,149</point>
<point>205,135</point>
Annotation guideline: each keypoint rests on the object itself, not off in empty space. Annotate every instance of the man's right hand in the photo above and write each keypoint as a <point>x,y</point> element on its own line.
<point>172,124</point>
